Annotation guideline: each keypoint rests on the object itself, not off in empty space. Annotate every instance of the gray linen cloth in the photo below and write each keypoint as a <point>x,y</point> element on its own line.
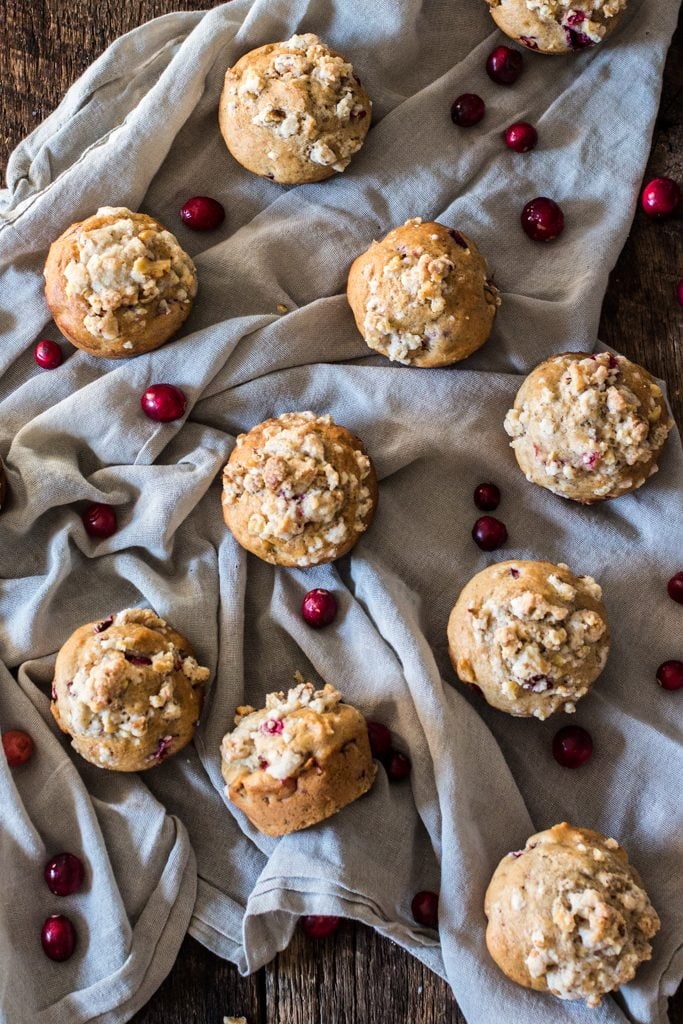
<point>139,129</point>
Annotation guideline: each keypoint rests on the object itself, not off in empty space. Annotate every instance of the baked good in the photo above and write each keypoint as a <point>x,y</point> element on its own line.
<point>588,427</point>
<point>118,283</point>
<point>298,490</point>
<point>531,635</point>
<point>569,915</point>
<point>298,760</point>
<point>557,26</point>
<point>294,112</point>
<point>128,690</point>
<point>422,295</point>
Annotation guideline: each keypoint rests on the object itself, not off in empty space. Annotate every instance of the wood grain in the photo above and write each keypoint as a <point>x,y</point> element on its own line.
<point>354,976</point>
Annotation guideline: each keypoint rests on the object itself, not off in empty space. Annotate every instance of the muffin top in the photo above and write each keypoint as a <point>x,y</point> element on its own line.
<point>557,26</point>
<point>568,914</point>
<point>422,296</point>
<point>588,427</point>
<point>126,268</point>
<point>532,635</point>
<point>294,111</point>
<point>298,490</point>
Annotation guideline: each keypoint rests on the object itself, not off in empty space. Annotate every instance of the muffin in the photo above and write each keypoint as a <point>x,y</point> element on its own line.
<point>128,691</point>
<point>531,635</point>
<point>557,26</point>
<point>422,296</point>
<point>294,112</point>
<point>118,284</point>
<point>298,760</point>
<point>588,427</point>
<point>298,490</point>
<point>569,915</point>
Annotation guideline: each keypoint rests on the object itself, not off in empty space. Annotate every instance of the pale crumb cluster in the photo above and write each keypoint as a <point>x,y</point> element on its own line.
<point>590,17</point>
<point>127,271</point>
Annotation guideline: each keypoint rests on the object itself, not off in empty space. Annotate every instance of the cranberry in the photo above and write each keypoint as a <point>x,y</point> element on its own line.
<point>467,110</point>
<point>521,136</point>
<point>489,533</point>
<point>137,659</point>
<point>670,675</point>
<point>398,766</point>
<point>58,937</point>
<point>675,587</point>
<point>572,746</point>
<point>202,213</point>
<point>529,41</point>
<point>18,747</point>
<point>660,197</point>
<point>380,739</point>
<point>542,219</point>
<point>679,292</point>
<point>272,726</point>
<point>64,874</point>
<point>425,908</point>
<point>486,497</point>
<point>163,402</point>
<point>504,65</point>
<point>48,354</point>
<point>99,520</point>
<point>577,40</point>
<point>318,926</point>
<point>319,608</point>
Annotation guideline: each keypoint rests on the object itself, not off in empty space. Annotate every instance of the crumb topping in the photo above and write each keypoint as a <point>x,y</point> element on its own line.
<point>282,738</point>
<point>327,112</point>
<point>118,690</point>
<point>591,425</point>
<point>542,645</point>
<point>296,486</point>
<point>587,17</point>
<point>127,271</point>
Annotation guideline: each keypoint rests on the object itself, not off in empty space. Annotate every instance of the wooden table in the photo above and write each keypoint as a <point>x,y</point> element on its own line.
<point>355,976</point>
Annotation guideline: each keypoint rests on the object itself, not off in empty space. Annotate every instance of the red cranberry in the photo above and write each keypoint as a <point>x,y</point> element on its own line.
<point>487,497</point>
<point>529,41</point>
<point>542,219</point>
<point>18,747</point>
<point>504,65</point>
<point>319,608</point>
<point>58,937</point>
<point>467,110</point>
<point>398,766</point>
<point>572,746</point>
<point>202,213</point>
<point>100,520</point>
<point>163,402</point>
<point>380,739</point>
<point>489,533</point>
<point>679,292</point>
<point>670,675</point>
<point>521,136</point>
<point>425,908</point>
<point>675,587</point>
<point>318,926</point>
<point>660,197</point>
<point>64,874</point>
<point>48,354</point>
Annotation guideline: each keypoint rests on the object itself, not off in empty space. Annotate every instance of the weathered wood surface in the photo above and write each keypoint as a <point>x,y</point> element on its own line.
<point>355,976</point>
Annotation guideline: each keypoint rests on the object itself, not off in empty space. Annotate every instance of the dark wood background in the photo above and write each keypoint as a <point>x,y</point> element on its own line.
<point>355,976</point>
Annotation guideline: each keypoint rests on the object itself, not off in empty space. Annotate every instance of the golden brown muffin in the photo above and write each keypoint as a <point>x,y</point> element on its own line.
<point>531,635</point>
<point>118,284</point>
<point>294,112</point>
<point>557,26</point>
<point>299,490</point>
<point>421,296</point>
<point>588,427</point>
<point>128,690</point>
<point>569,915</point>
<point>298,760</point>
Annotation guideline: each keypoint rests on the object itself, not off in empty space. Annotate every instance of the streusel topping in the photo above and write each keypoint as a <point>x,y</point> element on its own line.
<point>589,17</point>
<point>326,113</point>
<point>296,487</point>
<point>128,271</point>
<point>111,670</point>
<point>283,737</point>
<point>591,424</point>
